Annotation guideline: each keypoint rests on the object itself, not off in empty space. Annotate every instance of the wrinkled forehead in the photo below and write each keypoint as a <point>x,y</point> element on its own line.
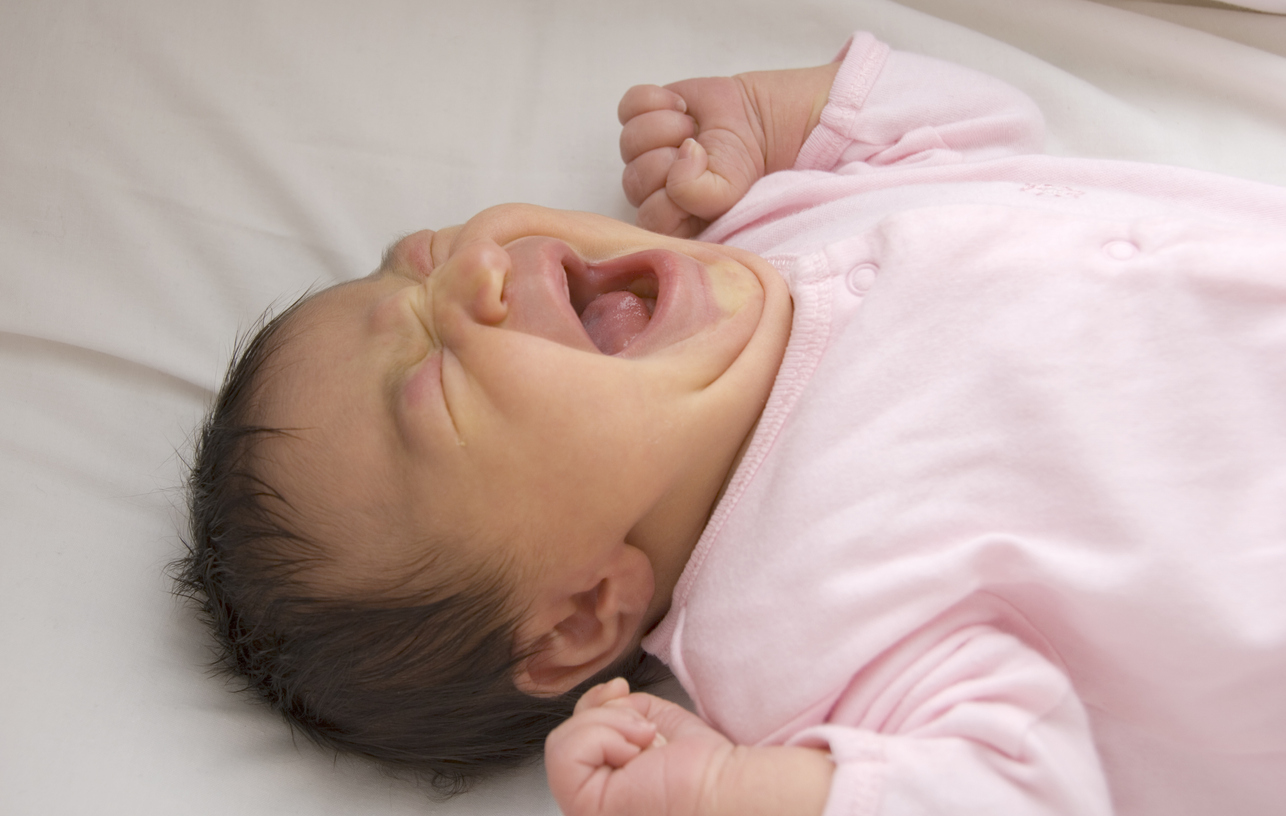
<point>331,459</point>
<point>308,381</point>
<point>338,466</point>
<point>316,350</point>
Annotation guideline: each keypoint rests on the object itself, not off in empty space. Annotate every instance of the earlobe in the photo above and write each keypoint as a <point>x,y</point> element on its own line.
<point>585,632</point>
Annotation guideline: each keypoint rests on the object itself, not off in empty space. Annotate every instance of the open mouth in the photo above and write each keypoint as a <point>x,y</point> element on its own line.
<point>630,306</point>
<point>614,318</point>
<point>617,299</point>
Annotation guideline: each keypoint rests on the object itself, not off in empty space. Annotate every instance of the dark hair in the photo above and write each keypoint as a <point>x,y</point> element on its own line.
<point>421,682</point>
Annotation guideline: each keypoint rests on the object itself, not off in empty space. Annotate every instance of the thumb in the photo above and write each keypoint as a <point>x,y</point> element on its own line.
<point>695,187</point>
<point>691,163</point>
<point>672,720</point>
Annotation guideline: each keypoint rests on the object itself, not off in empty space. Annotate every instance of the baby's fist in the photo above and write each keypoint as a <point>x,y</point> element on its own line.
<point>691,149</point>
<point>597,738</point>
<point>625,754</point>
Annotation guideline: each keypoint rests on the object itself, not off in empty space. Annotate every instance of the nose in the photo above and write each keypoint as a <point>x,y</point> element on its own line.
<point>473,279</point>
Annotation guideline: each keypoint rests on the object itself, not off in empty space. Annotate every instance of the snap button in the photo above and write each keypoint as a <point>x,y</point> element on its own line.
<point>1121,250</point>
<point>861,278</point>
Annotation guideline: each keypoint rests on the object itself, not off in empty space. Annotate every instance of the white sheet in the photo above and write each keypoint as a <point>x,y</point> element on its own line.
<point>168,169</point>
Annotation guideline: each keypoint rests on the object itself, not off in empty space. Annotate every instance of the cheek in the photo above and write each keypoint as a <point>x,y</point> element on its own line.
<point>735,288</point>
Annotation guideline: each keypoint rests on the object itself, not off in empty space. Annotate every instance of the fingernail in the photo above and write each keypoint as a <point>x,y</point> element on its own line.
<point>683,104</point>
<point>688,149</point>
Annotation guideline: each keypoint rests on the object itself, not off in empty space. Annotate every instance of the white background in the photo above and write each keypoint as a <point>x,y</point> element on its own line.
<point>169,169</point>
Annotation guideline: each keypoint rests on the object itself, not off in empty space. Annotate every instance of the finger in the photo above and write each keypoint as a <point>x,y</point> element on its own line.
<point>615,688</point>
<point>603,735</point>
<point>605,744</point>
<point>642,98</point>
<point>659,214</point>
<point>628,723</point>
<point>672,720</point>
<point>657,740</point>
<point>578,752</point>
<point>617,752</point>
<point>655,129</point>
<point>690,161</point>
<point>694,187</point>
<point>647,173</point>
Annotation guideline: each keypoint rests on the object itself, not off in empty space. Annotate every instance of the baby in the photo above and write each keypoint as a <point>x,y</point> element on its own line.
<point>947,477</point>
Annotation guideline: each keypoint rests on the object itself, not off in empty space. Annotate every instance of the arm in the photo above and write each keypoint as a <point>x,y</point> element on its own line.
<point>692,149</point>
<point>957,719</point>
<point>624,754</point>
<point>961,717</point>
<point>896,109</point>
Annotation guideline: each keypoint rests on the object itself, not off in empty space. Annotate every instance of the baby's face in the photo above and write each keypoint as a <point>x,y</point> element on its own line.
<point>456,394</point>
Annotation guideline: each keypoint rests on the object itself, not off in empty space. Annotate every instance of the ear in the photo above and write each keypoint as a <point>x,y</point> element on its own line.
<point>579,632</point>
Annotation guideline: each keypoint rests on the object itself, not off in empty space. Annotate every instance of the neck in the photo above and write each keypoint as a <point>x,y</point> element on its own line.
<point>669,534</point>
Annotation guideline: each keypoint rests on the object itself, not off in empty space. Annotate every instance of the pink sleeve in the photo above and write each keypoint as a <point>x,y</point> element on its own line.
<point>974,722</point>
<point>893,108</point>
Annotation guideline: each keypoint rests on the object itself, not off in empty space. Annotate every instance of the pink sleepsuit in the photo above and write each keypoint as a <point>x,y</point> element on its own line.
<point>1010,536</point>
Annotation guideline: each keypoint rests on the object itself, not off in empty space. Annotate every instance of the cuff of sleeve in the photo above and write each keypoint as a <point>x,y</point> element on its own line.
<point>863,56</point>
<point>860,767</point>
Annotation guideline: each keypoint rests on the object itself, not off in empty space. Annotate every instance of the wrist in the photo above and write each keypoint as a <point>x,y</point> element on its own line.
<point>788,106</point>
<point>774,781</point>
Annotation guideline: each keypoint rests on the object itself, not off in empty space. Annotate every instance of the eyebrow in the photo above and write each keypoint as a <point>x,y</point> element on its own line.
<point>386,260</point>
<point>393,380</point>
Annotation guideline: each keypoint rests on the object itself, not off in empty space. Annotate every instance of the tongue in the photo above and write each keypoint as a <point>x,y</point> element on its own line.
<point>613,319</point>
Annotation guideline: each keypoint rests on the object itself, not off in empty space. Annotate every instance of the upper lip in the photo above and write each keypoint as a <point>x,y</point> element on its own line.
<point>636,272</point>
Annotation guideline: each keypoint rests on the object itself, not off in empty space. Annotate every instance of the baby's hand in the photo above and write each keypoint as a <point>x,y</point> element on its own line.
<point>692,149</point>
<point>625,754</point>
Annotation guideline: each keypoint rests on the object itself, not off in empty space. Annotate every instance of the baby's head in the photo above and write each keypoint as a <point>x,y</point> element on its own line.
<point>430,503</point>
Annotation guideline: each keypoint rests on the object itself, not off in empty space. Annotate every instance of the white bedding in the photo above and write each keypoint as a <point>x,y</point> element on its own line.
<point>169,169</point>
